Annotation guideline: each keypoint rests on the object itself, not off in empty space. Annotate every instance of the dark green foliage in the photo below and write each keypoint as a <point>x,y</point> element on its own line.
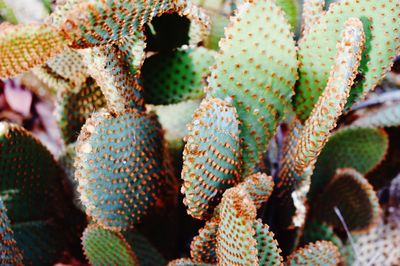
<point>29,176</point>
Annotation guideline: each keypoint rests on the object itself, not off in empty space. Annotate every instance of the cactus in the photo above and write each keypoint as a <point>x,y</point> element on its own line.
<point>342,151</point>
<point>104,247</point>
<point>276,161</point>
<point>240,73</point>
<point>125,152</point>
<point>381,46</point>
<point>318,253</point>
<point>211,156</point>
<point>388,116</point>
<point>75,106</point>
<point>238,214</point>
<point>29,176</point>
<point>351,193</point>
<point>10,253</point>
<point>25,46</point>
<point>41,242</point>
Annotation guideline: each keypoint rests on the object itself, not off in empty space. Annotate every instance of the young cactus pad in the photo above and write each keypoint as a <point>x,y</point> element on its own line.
<point>119,167</point>
<point>256,68</point>
<point>104,247</point>
<point>317,49</point>
<point>211,156</point>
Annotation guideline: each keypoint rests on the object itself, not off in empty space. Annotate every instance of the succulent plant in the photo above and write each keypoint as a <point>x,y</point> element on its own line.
<point>276,162</point>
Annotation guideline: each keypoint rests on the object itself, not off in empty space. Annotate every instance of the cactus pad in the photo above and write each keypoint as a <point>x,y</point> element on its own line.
<point>211,156</point>
<point>104,247</point>
<point>41,242</point>
<point>318,253</point>
<point>29,176</point>
<point>259,186</point>
<point>267,247</point>
<point>359,148</point>
<point>144,250</point>
<point>25,46</point>
<point>90,24</point>
<point>235,239</point>
<point>175,76</point>
<point>10,253</point>
<point>379,20</point>
<point>70,66</point>
<point>202,248</point>
<point>356,199</point>
<point>256,67</point>
<point>119,167</point>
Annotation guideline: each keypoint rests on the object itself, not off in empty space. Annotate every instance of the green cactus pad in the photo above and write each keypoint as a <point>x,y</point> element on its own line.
<point>176,76</point>
<point>257,69</point>
<point>10,253</point>
<point>29,176</point>
<point>74,107</point>
<point>145,252</point>
<point>317,128</point>
<point>70,66</point>
<point>315,231</point>
<point>259,186</point>
<point>202,248</point>
<point>174,118</point>
<point>388,116</point>
<point>90,24</point>
<point>380,21</point>
<point>115,70</point>
<point>355,198</point>
<point>318,253</point>
<point>41,242</point>
<point>267,247</point>
<point>235,238</point>
<point>187,262</point>
<point>119,167</point>
<point>211,157</point>
<point>25,46</point>
<point>359,148</point>
<point>104,247</point>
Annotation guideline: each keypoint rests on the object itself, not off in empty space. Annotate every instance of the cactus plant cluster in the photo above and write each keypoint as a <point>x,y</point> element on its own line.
<point>250,109</point>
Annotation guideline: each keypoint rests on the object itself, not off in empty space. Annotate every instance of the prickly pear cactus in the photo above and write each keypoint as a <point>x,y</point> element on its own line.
<point>382,44</point>
<point>211,156</point>
<point>119,167</point>
<point>258,78</point>
<point>29,176</point>
<point>25,46</point>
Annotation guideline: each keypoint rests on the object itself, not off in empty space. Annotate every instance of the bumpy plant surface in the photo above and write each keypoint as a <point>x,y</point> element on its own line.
<point>204,132</point>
